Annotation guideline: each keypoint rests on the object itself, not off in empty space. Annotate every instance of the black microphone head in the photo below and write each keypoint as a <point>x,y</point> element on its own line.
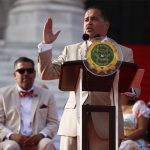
<point>85,37</point>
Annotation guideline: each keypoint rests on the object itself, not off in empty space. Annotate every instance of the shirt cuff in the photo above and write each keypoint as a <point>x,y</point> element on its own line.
<point>45,135</point>
<point>7,136</point>
<point>44,47</point>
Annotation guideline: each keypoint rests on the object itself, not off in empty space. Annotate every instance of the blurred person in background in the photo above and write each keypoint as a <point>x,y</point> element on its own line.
<point>136,118</point>
<point>28,115</point>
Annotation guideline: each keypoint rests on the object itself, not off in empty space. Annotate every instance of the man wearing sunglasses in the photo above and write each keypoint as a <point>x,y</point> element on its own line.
<point>28,116</point>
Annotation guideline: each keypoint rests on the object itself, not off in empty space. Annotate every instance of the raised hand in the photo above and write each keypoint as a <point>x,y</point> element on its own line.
<point>48,35</point>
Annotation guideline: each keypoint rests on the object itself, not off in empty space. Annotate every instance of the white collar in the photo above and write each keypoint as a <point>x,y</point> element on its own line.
<point>20,89</point>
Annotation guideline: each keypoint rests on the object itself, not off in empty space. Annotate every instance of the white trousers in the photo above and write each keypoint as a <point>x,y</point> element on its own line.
<point>68,143</point>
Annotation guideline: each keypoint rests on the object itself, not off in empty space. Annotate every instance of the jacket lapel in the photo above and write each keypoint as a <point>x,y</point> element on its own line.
<point>16,99</point>
<point>35,101</point>
<point>82,50</point>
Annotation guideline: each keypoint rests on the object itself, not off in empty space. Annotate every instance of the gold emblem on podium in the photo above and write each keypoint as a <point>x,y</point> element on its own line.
<point>102,57</point>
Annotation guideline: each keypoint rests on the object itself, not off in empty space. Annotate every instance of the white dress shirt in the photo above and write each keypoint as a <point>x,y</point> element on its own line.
<point>26,113</point>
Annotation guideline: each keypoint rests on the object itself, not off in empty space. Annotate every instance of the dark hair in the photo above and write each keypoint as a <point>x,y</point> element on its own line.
<point>131,101</point>
<point>100,9</point>
<point>23,59</point>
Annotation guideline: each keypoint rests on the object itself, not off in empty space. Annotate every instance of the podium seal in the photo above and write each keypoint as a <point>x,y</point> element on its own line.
<point>103,57</point>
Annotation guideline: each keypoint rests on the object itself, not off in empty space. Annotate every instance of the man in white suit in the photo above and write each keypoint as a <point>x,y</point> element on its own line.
<point>28,116</point>
<point>95,22</point>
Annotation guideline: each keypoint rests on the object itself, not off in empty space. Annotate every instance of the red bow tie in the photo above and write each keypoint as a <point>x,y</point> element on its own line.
<point>24,94</point>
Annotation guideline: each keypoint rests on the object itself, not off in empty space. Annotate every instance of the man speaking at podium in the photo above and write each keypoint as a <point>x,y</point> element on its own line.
<point>95,22</point>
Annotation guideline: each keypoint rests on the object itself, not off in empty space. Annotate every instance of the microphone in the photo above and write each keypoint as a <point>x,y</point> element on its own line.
<point>85,37</point>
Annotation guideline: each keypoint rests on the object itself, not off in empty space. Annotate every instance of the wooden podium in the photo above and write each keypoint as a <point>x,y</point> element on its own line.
<point>75,77</point>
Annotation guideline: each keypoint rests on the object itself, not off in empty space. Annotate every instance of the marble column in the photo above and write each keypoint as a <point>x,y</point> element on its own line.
<point>27,17</point>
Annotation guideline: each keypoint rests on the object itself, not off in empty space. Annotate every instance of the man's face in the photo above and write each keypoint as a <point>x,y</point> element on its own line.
<point>95,24</point>
<point>24,75</point>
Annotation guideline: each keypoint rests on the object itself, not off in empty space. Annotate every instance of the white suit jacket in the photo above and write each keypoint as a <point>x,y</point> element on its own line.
<point>49,70</point>
<point>44,113</point>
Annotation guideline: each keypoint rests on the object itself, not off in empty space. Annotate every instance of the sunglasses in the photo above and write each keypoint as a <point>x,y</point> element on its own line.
<point>27,70</point>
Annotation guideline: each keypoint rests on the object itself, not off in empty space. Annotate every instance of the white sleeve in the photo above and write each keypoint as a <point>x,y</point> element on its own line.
<point>44,47</point>
<point>141,109</point>
<point>8,135</point>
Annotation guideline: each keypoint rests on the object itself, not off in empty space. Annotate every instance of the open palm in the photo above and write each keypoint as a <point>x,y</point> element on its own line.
<point>48,35</point>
